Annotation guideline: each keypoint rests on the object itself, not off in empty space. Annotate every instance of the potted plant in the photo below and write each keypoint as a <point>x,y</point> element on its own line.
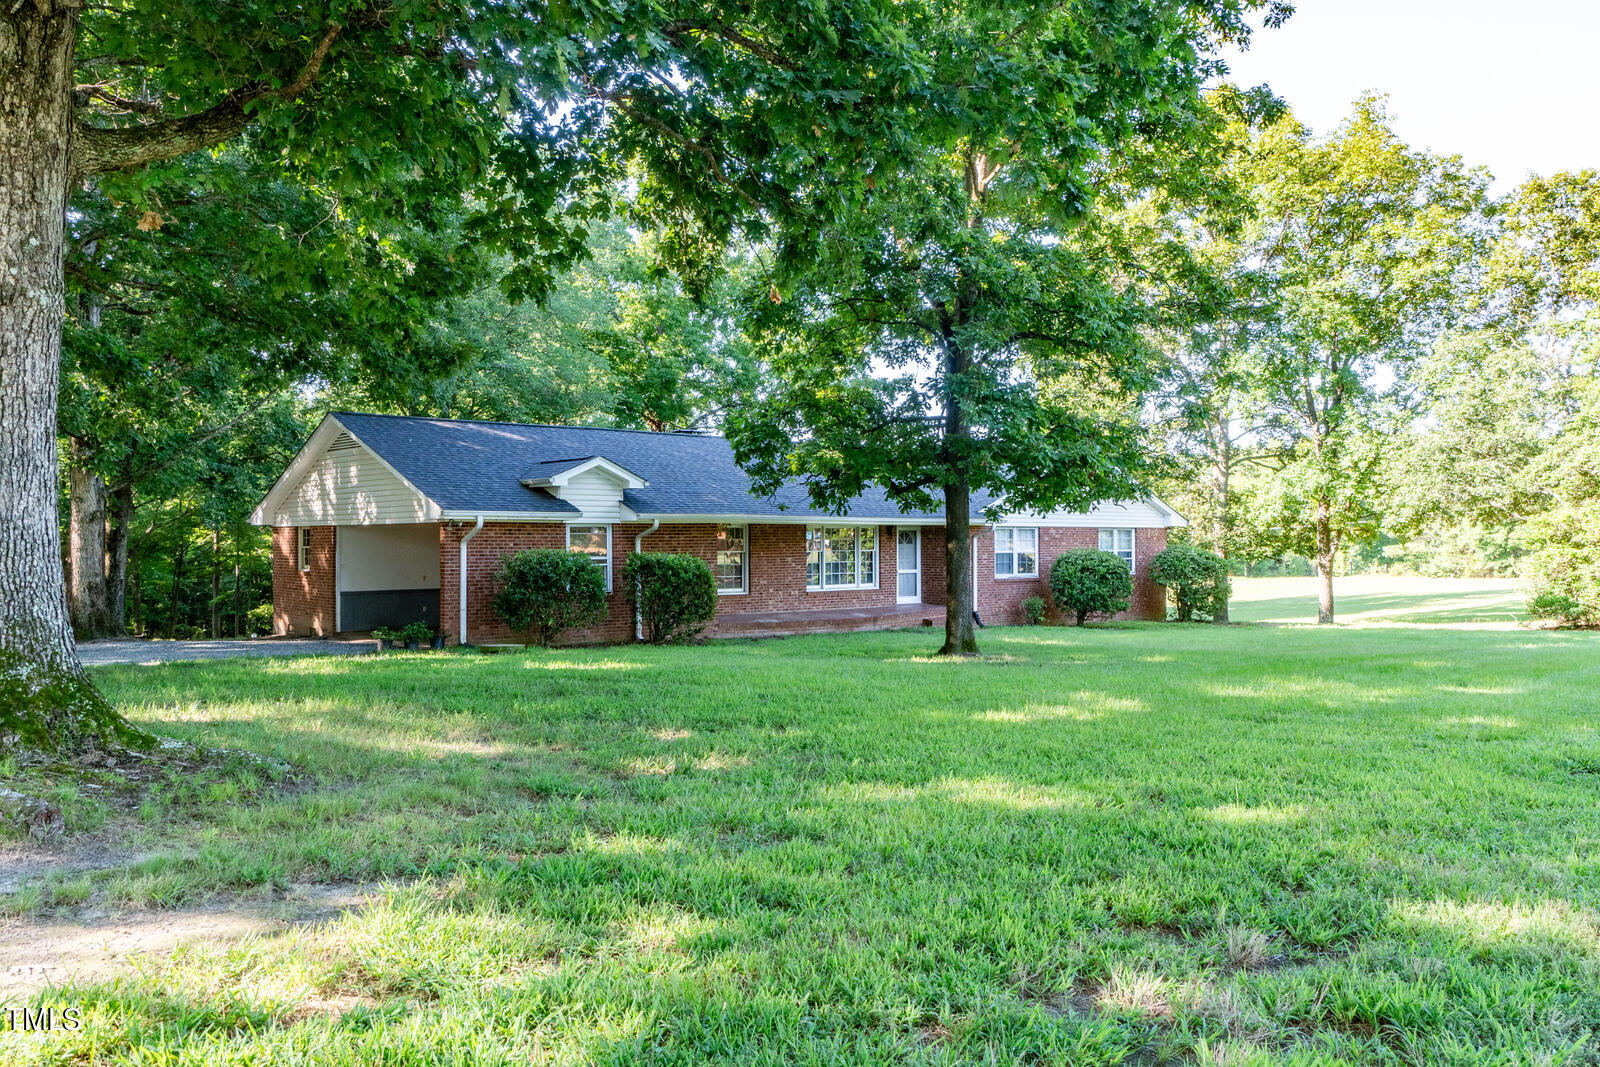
<point>414,633</point>
<point>386,637</point>
<point>440,636</point>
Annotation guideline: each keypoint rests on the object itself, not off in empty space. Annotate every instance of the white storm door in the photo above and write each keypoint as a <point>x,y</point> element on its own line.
<point>908,561</point>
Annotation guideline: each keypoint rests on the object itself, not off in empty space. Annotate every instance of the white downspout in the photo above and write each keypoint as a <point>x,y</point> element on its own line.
<point>461,632</point>
<point>638,547</point>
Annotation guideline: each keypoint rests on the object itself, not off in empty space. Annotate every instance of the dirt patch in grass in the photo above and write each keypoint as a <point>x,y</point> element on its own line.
<point>96,945</point>
<point>27,863</point>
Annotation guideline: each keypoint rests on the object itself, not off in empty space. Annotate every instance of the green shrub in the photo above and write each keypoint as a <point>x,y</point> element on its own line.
<point>418,632</point>
<point>1196,580</point>
<point>258,620</point>
<point>1087,581</point>
<point>1564,569</point>
<point>1033,610</point>
<point>674,595</point>
<point>546,591</point>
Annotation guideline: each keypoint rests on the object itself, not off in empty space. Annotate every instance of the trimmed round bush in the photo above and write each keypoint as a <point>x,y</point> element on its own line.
<point>1196,580</point>
<point>1087,581</point>
<point>546,591</point>
<point>675,595</point>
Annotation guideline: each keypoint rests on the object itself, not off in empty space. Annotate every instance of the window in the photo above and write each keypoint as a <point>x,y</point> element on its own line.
<point>729,569</point>
<point>1016,552</point>
<point>1120,542</point>
<point>303,548</point>
<point>841,557</point>
<point>594,542</point>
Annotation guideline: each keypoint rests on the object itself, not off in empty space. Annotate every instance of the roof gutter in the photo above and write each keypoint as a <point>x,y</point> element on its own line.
<point>461,632</point>
<point>638,547</point>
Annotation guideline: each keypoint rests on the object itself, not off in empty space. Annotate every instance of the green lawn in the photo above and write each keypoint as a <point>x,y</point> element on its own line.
<point>1380,598</point>
<point>1139,844</point>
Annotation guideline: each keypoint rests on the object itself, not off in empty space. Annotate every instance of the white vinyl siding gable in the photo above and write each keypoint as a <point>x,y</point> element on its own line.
<point>596,494</point>
<point>350,486</point>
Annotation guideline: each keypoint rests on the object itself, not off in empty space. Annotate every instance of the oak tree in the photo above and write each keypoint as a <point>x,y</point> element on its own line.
<point>972,328</point>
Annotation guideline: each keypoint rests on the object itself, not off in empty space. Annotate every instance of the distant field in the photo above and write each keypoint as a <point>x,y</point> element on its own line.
<point>1380,598</point>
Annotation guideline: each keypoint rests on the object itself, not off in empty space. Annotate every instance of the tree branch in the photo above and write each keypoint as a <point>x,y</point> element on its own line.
<point>97,149</point>
<point>676,30</point>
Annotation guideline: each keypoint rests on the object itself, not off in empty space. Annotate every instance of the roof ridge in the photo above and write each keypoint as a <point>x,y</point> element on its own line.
<point>527,425</point>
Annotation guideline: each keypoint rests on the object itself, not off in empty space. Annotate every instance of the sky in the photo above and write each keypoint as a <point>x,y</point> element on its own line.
<point>1513,85</point>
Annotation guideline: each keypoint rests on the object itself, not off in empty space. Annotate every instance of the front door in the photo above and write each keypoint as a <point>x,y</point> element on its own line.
<point>908,554</point>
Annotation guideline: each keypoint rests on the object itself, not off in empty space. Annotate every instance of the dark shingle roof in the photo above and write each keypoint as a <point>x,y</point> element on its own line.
<point>479,466</point>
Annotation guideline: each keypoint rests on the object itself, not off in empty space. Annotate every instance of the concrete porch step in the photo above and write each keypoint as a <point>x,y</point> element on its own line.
<point>827,620</point>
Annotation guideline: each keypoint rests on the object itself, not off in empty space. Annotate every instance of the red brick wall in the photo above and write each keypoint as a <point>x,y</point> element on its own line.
<point>1000,599</point>
<point>484,552</point>
<point>777,573</point>
<point>302,601</point>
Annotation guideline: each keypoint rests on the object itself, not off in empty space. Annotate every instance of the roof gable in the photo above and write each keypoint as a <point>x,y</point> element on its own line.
<point>559,473</point>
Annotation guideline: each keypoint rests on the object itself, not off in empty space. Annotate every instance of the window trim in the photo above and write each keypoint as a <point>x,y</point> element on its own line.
<point>1032,575</point>
<point>1133,543</point>
<point>302,546</point>
<point>744,558</point>
<point>823,585</point>
<point>594,526</point>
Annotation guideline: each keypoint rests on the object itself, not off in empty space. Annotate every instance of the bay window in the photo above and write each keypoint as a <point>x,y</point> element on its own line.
<point>841,557</point>
<point>1016,552</point>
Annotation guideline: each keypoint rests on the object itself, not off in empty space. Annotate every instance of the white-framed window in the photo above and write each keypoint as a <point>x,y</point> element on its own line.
<point>594,542</point>
<point>841,557</point>
<point>303,548</point>
<point>1016,552</point>
<point>1120,542</point>
<point>732,568</point>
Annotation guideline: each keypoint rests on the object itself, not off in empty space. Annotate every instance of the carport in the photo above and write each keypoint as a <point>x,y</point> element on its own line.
<point>386,575</point>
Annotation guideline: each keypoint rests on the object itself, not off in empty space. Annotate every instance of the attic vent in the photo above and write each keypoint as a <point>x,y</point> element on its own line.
<point>342,442</point>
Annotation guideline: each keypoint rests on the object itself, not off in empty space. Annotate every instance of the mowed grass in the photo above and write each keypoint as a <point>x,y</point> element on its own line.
<point>1381,598</point>
<point>1135,844</point>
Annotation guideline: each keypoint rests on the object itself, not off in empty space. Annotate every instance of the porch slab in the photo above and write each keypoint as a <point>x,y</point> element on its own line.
<point>827,620</point>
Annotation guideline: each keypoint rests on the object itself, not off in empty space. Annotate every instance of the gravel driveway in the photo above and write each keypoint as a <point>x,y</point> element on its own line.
<point>145,652</point>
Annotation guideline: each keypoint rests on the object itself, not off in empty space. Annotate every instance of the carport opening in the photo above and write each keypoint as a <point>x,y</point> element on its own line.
<point>388,576</point>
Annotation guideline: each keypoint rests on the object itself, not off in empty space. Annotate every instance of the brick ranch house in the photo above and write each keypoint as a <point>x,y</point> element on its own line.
<point>384,520</point>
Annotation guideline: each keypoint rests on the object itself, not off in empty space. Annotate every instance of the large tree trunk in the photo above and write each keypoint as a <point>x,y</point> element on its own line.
<point>88,602</point>
<point>959,639</point>
<point>1325,553</point>
<point>45,700</point>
